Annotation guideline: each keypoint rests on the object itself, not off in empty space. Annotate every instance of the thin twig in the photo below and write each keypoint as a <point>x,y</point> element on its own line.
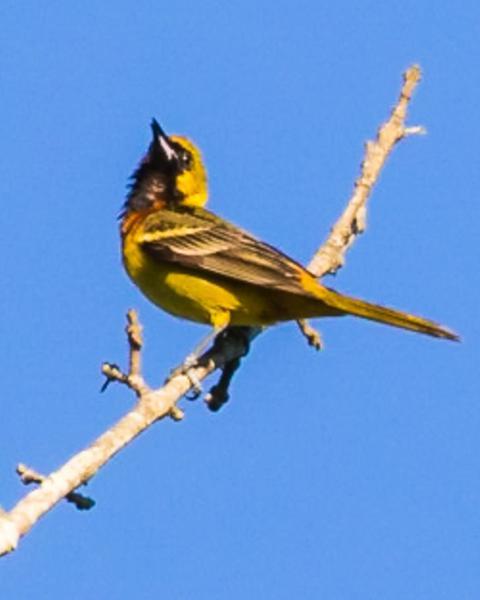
<point>331,254</point>
<point>312,336</point>
<point>155,404</point>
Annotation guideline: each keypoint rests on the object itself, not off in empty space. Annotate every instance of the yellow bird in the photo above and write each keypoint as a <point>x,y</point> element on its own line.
<point>198,266</point>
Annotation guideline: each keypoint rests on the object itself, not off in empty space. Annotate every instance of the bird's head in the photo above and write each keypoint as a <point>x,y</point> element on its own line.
<point>170,174</point>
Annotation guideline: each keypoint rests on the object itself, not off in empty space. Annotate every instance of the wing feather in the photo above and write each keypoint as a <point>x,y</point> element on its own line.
<point>198,240</point>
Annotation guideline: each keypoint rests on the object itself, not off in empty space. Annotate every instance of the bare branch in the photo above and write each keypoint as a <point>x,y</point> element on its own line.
<point>155,404</point>
<point>152,405</point>
<point>331,254</point>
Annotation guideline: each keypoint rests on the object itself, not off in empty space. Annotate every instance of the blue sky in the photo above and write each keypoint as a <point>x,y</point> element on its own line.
<point>349,474</point>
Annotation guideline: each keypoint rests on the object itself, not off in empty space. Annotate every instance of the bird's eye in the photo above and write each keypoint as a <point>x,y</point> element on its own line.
<point>185,159</point>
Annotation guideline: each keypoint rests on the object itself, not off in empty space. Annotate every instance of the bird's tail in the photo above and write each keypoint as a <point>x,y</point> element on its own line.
<point>390,316</point>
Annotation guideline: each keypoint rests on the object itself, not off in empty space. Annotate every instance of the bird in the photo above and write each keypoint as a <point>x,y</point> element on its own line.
<point>197,266</point>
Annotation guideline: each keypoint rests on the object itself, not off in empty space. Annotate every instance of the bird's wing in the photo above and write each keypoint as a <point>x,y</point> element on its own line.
<point>200,241</point>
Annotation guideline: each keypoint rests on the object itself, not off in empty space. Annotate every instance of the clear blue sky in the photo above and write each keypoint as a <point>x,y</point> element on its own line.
<point>349,474</point>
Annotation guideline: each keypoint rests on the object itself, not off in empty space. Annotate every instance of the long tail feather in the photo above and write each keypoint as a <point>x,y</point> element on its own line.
<point>390,316</point>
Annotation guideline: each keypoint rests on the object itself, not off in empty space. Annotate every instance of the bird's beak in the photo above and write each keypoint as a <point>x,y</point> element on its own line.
<point>161,143</point>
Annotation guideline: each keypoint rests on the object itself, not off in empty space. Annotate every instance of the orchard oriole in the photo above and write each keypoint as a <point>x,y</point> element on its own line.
<point>198,266</point>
